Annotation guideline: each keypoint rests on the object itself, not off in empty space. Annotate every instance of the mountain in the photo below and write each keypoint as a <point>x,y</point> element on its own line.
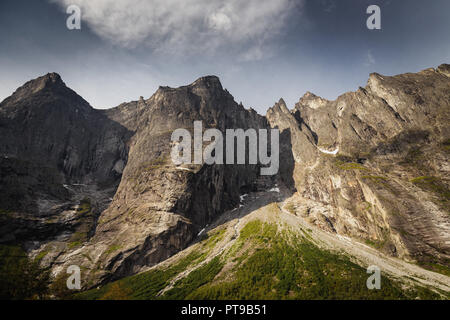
<point>375,163</point>
<point>366,175</point>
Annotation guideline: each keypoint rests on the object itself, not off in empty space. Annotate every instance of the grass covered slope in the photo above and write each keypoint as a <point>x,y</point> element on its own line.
<point>20,277</point>
<point>265,259</point>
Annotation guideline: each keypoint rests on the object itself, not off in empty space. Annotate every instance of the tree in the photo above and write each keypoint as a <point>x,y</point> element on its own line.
<point>20,277</point>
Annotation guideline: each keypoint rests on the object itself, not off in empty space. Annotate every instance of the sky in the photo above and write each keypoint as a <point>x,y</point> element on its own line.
<point>262,50</point>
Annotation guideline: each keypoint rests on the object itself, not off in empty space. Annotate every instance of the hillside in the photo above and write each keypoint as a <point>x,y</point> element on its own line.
<point>273,253</point>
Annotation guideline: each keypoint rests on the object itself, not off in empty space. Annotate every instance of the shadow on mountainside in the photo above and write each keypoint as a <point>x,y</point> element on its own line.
<point>264,190</point>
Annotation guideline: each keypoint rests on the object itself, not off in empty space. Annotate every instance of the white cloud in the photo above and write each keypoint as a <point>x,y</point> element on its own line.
<point>370,59</point>
<point>220,21</point>
<point>186,26</point>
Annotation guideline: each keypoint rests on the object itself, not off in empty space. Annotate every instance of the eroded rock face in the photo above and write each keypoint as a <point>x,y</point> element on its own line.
<point>155,211</point>
<point>381,170</point>
<point>46,123</point>
<point>51,142</point>
<point>159,207</point>
<point>97,188</point>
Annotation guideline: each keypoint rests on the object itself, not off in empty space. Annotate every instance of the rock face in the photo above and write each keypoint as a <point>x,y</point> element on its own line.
<point>97,188</point>
<point>376,162</point>
<point>52,142</point>
<point>47,123</point>
<point>157,208</point>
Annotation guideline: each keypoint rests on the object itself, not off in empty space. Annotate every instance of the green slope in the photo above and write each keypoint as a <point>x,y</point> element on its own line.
<point>266,261</point>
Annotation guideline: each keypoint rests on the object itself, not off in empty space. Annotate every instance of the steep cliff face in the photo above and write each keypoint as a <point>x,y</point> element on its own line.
<point>160,207</point>
<point>377,168</point>
<point>52,144</point>
<point>98,188</point>
<point>47,123</point>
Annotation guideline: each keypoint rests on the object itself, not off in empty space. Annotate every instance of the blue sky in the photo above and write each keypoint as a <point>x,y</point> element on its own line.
<point>262,50</point>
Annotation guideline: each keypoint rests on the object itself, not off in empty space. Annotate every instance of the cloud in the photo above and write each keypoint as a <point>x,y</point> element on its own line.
<point>370,59</point>
<point>189,26</point>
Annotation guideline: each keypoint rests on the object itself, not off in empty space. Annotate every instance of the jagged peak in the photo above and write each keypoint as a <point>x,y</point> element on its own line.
<point>52,76</point>
<point>207,82</point>
<point>279,107</point>
<point>375,75</point>
<point>51,83</point>
<point>283,106</point>
<point>444,69</point>
<point>207,79</point>
<point>50,80</point>
<point>312,101</point>
<point>309,95</point>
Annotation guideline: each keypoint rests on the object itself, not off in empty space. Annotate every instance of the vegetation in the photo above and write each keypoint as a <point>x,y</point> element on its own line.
<point>41,255</point>
<point>290,207</point>
<point>436,267</point>
<point>446,146</point>
<point>185,288</point>
<point>146,285</point>
<point>353,166</point>
<point>20,277</point>
<point>346,163</point>
<point>117,292</point>
<point>266,263</point>
<point>375,178</point>
<point>58,288</point>
<point>84,207</point>
<point>294,268</point>
<point>211,240</point>
<point>113,248</point>
<point>377,244</point>
<point>155,163</point>
<point>73,244</point>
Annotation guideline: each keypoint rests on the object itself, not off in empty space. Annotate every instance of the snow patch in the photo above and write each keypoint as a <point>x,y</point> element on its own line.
<point>185,169</point>
<point>243,197</point>
<point>334,152</point>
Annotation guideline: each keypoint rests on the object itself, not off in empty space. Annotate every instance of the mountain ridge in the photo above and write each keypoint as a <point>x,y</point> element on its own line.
<point>357,166</point>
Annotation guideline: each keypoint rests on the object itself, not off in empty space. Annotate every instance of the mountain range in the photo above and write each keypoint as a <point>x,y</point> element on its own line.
<point>363,180</point>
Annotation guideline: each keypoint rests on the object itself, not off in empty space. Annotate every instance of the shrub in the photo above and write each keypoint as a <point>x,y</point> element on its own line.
<point>20,277</point>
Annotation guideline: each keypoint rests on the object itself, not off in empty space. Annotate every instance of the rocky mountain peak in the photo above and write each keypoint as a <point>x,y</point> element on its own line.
<point>52,78</point>
<point>49,90</point>
<point>312,101</point>
<point>212,82</point>
<point>444,69</point>
<point>206,84</point>
<point>48,81</point>
<point>279,107</point>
